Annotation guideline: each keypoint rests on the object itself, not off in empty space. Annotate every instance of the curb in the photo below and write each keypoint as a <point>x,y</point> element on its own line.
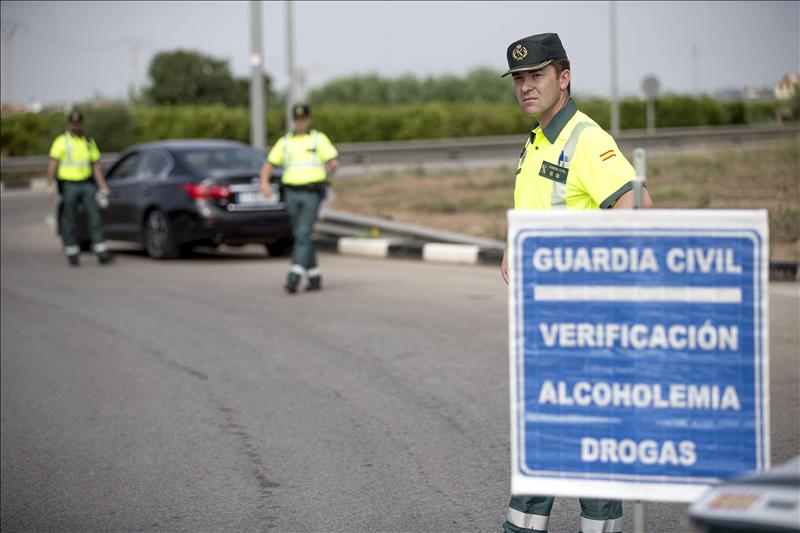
<point>437,252</point>
<point>465,254</point>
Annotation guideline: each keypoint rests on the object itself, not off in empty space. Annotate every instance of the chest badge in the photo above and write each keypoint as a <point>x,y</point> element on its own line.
<point>553,172</point>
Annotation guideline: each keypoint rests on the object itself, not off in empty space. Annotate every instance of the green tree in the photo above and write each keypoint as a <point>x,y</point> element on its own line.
<point>366,89</point>
<point>186,77</point>
<point>478,85</point>
<point>110,124</point>
<point>486,85</point>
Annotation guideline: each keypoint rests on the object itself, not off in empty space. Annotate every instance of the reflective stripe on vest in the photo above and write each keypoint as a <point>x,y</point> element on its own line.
<point>558,198</point>
<point>70,165</point>
<point>527,521</point>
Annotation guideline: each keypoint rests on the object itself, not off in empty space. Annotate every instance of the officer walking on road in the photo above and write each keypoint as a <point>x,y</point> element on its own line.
<point>75,158</point>
<point>308,157</point>
<point>568,162</point>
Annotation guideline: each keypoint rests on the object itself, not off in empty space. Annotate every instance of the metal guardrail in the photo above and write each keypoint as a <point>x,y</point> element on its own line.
<point>507,147</point>
<point>30,166</point>
<point>467,149</point>
<point>351,225</point>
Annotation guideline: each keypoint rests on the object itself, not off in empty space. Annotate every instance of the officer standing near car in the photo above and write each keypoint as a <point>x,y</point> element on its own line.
<point>74,159</point>
<point>308,158</point>
<point>568,162</point>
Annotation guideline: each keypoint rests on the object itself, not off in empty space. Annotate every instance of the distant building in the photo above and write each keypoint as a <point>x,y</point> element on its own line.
<point>787,87</point>
<point>18,109</point>
<point>756,94</point>
<point>12,109</point>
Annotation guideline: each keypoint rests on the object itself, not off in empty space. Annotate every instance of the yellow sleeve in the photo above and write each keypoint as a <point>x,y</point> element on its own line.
<point>94,151</point>
<point>275,157</point>
<point>57,148</point>
<point>325,148</point>
<point>605,174</point>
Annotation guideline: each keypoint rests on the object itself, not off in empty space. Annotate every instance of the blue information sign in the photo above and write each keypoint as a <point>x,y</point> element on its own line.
<point>638,351</point>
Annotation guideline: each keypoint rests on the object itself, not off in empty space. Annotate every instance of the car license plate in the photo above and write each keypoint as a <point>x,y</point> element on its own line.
<point>253,197</point>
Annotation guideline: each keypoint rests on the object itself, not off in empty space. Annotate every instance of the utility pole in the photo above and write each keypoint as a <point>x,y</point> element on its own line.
<point>257,117</point>
<point>695,88</point>
<point>8,36</point>
<point>614,88</point>
<point>300,86</point>
<point>135,68</point>
<point>290,91</point>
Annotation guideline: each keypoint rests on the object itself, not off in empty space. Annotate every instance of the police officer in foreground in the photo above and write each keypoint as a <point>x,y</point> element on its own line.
<point>308,157</point>
<point>568,162</point>
<point>75,158</point>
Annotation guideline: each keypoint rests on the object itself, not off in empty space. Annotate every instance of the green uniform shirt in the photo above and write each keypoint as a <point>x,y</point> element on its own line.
<point>303,157</point>
<point>594,176</point>
<point>75,156</point>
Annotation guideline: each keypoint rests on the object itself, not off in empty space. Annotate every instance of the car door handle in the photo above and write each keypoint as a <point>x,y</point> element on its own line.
<point>147,191</point>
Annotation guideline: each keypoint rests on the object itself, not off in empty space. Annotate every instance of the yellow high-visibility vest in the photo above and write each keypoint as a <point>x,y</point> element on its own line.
<point>571,164</point>
<point>303,157</point>
<point>75,156</point>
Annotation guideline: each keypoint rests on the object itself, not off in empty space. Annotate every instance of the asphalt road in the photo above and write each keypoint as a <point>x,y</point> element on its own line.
<point>194,395</point>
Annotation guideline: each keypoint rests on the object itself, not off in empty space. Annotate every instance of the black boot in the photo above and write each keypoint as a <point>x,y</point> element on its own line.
<point>73,260</point>
<point>292,281</point>
<point>314,284</point>
<point>104,258</point>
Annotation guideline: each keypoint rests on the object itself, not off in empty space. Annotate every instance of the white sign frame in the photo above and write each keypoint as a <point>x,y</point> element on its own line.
<point>750,223</point>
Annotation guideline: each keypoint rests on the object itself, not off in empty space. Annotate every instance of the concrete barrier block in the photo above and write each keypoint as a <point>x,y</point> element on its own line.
<point>451,253</point>
<point>368,247</point>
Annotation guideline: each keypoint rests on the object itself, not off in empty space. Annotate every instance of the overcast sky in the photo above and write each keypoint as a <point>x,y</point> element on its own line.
<point>72,51</point>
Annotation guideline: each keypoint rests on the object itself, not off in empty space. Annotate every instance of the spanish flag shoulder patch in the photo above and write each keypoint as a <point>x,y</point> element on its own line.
<point>605,156</point>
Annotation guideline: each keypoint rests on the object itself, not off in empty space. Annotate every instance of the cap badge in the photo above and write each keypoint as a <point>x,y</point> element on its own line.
<point>519,53</point>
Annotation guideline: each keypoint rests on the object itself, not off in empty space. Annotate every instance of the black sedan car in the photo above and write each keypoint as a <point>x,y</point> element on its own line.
<point>755,503</point>
<point>170,196</point>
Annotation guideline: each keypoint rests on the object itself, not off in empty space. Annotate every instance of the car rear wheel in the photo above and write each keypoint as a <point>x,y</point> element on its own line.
<point>278,248</point>
<point>159,238</point>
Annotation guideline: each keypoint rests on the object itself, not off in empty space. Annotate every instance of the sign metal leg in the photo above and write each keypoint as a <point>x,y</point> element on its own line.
<point>639,518</point>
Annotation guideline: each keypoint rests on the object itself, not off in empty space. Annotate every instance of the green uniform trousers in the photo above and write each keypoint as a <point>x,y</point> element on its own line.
<point>303,205</point>
<point>594,510</point>
<point>74,193</point>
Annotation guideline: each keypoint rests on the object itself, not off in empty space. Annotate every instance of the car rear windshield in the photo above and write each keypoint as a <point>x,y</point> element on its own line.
<point>209,160</point>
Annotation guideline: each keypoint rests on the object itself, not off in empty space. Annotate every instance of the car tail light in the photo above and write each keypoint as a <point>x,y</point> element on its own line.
<point>202,191</point>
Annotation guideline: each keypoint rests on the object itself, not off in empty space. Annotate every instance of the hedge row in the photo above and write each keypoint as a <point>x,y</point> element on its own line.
<point>117,126</point>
